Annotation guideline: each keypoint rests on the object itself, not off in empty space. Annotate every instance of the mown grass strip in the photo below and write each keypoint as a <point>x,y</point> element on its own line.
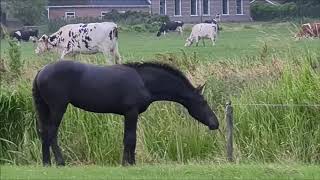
<point>170,171</point>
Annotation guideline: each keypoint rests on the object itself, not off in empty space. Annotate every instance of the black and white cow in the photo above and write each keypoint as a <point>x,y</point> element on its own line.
<point>170,26</point>
<point>83,38</point>
<point>25,34</point>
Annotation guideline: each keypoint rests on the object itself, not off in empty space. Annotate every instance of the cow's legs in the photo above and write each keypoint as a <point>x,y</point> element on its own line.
<point>116,55</point>
<point>108,58</point>
<point>62,55</point>
<point>130,137</point>
<point>204,44</point>
<point>213,41</point>
<point>180,30</point>
<point>197,40</point>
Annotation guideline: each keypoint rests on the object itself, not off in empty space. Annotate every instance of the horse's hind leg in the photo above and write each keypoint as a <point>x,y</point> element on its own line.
<point>57,151</point>
<point>45,132</point>
<point>56,117</point>
<point>130,138</point>
<point>49,137</point>
<point>42,127</point>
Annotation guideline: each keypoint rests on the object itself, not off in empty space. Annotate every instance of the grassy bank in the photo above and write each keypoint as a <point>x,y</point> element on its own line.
<point>276,70</point>
<point>193,171</point>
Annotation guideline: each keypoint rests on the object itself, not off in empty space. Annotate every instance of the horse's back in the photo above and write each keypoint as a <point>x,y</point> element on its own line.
<point>93,88</point>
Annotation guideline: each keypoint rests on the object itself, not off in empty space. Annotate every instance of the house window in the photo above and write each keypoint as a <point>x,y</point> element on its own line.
<point>121,12</point>
<point>163,7</point>
<point>69,15</point>
<point>177,7</point>
<point>103,14</point>
<point>194,6</point>
<point>225,6</point>
<point>239,6</point>
<point>206,7</point>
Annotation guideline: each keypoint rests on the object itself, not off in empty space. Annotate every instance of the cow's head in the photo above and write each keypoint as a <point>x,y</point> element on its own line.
<point>43,45</point>
<point>189,42</point>
<point>33,39</point>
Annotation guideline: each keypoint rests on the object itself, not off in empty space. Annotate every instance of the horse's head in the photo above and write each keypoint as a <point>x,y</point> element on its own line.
<point>199,109</point>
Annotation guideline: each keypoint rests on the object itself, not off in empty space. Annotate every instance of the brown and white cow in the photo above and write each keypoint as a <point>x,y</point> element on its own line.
<point>309,30</point>
<point>83,38</point>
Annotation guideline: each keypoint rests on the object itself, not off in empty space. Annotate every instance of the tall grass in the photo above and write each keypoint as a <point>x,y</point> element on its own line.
<point>271,132</point>
<point>167,133</point>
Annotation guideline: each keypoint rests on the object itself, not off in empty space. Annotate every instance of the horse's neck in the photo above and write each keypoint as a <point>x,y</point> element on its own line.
<point>169,97</point>
<point>170,89</point>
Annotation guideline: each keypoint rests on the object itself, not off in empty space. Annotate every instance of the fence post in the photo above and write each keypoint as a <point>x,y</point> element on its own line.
<point>229,119</point>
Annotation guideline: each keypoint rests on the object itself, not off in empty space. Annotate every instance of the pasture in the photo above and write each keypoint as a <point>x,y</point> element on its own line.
<point>253,63</point>
<point>166,171</point>
<point>236,41</point>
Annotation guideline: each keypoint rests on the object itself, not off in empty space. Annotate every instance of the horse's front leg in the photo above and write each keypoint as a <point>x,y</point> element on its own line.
<point>130,137</point>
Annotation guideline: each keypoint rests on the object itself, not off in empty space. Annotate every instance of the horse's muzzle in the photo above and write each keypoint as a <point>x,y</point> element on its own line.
<point>214,127</point>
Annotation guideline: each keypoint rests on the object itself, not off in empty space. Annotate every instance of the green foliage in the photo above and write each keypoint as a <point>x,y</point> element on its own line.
<point>165,131</point>
<point>263,12</point>
<point>30,12</point>
<point>134,18</point>
<point>128,21</point>
<point>289,10</point>
<point>267,132</point>
<point>15,63</point>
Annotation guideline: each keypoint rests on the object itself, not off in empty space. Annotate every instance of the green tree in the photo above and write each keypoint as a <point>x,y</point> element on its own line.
<point>29,12</point>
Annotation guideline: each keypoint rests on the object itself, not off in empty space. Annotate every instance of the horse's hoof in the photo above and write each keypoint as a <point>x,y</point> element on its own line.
<point>61,163</point>
<point>46,164</point>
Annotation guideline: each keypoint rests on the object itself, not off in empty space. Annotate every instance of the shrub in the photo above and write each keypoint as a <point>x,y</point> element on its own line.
<point>15,63</point>
<point>264,12</point>
<point>136,21</point>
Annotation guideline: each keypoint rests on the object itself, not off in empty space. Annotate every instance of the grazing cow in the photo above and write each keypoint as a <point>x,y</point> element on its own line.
<point>83,38</point>
<point>170,26</point>
<point>25,35</point>
<point>309,30</point>
<point>202,31</point>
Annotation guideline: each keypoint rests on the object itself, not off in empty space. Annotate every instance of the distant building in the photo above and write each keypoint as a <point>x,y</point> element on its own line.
<point>93,8</point>
<point>189,11</point>
<point>200,10</point>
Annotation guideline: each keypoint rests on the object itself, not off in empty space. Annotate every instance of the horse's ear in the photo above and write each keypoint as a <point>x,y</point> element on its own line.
<point>201,88</point>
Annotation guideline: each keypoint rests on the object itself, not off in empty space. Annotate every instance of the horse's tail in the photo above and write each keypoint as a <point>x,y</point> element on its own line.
<point>41,107</point>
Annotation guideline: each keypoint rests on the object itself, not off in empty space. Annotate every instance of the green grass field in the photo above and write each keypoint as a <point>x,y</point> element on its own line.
<point>172,171</point>
<point>236,41</point>
<point>251,63</point>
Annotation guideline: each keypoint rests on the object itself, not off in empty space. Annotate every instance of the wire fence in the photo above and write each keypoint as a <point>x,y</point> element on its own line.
<point>278,105</point>
<point>230,121</point>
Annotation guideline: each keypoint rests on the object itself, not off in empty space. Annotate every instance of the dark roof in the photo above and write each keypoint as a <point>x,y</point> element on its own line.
<point>97,2</point>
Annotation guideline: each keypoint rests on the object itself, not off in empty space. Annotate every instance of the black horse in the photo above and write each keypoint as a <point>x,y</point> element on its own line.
<point>126,90</point>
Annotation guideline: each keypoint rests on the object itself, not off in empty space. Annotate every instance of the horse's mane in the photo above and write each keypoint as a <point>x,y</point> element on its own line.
<point>166,67</point>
